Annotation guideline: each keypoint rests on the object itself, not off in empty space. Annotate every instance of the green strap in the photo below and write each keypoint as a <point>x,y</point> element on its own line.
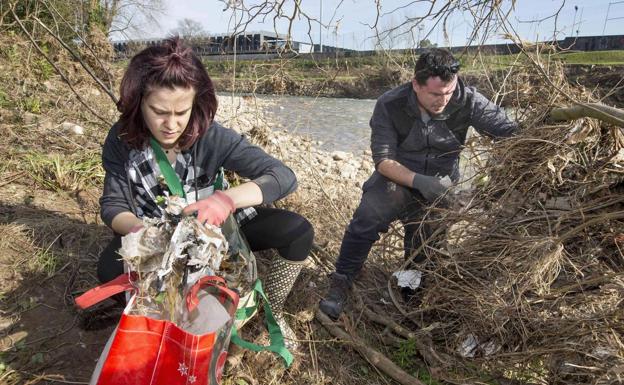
<point>171,178</point>
<point>219,180</point>
<point>275,333</point>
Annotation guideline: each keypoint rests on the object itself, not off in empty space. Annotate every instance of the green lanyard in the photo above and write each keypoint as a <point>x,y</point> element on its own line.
<point>171,178</point>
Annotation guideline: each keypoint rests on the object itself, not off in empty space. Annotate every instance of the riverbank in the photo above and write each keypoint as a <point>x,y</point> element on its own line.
<point>368,79</point>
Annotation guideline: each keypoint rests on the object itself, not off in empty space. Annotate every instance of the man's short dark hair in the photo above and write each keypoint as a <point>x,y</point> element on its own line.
<point>436,62</point>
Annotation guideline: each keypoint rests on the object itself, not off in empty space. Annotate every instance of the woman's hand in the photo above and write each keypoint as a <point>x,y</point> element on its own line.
<point>214,209</point>
<point>126,222</point>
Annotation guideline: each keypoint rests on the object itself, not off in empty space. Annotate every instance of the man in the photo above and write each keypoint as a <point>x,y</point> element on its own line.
<point>418,130</point>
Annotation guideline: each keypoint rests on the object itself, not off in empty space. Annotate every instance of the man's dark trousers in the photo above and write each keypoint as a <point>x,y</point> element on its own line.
<point>383,201</point>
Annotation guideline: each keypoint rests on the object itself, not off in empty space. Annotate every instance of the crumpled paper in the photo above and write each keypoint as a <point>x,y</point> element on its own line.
<point>153,249</point>
<point>408,278</point>
<point>170,254</point>
<point>202,247</point>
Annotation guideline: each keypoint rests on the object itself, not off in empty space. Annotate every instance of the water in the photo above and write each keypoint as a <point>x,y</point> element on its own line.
<point>338,123</point>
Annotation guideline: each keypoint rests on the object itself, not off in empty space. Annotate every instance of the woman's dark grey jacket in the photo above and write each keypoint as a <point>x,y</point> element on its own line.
<point>217,147</point>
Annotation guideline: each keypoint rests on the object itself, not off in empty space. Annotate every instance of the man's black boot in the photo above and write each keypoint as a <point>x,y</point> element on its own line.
<point>337,295</point>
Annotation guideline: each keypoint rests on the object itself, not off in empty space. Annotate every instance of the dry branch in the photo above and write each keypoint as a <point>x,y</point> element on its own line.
<point>598,111</point>
<point>376,358</point>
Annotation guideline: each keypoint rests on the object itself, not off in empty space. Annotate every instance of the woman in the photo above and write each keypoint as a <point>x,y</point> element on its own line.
<point>167,100</point>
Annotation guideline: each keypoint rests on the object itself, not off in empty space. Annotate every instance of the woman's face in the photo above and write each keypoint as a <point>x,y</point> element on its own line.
<point>166,112</point>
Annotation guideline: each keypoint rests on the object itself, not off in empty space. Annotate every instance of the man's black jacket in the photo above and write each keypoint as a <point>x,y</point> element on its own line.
<point>432,148</point>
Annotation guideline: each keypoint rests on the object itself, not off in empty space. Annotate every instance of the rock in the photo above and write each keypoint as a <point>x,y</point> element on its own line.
<point>339,155</point>
<point>5,114</point>
<point>48,85</point>
<point>94,92</point>
<point>30,118</point>
<point>45,125</point>
<point>244,123</point>
<point>72,128</point>
<point>348,171</point>
<point>323,161</point>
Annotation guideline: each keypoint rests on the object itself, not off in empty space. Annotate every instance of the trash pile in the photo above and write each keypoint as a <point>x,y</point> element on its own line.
<point>171,253</point>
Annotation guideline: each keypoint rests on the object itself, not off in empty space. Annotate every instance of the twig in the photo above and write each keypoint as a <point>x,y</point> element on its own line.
<point>13,177</point>
<point>421,339</point>
<point>51,378</point>
<point>376,358</point>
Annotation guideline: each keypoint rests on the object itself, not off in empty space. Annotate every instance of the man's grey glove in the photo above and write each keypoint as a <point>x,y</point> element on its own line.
<point>431,187</point>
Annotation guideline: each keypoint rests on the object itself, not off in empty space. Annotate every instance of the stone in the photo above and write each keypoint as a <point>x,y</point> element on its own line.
<point>48,85</point>
<point>339,155</point>
<point>30,118</point>
<point>348,171</point>
<point>72,128</point>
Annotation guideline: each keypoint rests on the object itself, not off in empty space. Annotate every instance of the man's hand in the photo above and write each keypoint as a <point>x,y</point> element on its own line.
<point>214,209</point>
<point>431,187</point>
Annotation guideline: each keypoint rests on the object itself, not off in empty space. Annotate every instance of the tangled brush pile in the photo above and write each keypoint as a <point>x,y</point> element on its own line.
<point>526,279</point>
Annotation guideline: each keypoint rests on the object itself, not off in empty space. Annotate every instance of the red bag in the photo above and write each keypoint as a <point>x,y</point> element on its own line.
<point>144,350</point>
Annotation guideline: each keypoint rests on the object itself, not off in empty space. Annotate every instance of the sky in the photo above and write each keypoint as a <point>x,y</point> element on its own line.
<point>346,23</point>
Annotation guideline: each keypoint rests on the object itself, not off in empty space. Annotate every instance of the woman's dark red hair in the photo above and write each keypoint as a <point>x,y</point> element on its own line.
<point>170,64</point>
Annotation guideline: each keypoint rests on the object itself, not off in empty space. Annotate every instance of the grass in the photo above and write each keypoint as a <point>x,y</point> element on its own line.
<point>406,356</point>
<point>45,262</point>
<point>32,104</point>
<point>348,69</point>
<point>595,57</point>
<point>614,57</point>
<point>43,69</point>
<point>4,99</point>
<point>65,173</point>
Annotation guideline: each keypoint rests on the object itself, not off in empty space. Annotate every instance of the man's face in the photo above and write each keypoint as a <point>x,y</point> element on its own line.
<point>435,94</point>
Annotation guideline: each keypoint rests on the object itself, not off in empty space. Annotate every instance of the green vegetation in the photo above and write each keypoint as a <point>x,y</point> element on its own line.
<point>31,104</point>
<point>11,52</point>
<point>352,67</point>
<point>305,68</point>
<point>66,173</point>
<point>45,261</point>
<point>406,356</point>
<point>43,69</point>
<point>595,57</point>
<point>4,99</point>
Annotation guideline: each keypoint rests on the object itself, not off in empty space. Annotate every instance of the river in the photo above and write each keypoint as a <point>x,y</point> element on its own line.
<point>338,123</point>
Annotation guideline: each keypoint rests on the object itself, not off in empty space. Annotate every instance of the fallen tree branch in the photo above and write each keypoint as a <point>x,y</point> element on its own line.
<point>376,358</point>
<point>421,338</point>
<point>599,111</point>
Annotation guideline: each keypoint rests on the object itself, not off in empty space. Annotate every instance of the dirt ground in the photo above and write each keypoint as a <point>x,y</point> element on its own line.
<point>46,340</point>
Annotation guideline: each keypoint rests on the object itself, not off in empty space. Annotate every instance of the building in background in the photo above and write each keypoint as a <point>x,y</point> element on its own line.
<point>261,42</point>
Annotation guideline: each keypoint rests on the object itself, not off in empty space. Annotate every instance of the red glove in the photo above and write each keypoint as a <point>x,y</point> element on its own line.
<point>214,209</point>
